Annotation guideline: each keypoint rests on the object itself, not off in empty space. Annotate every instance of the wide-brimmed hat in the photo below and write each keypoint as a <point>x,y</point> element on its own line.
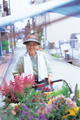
<point>31,38</point>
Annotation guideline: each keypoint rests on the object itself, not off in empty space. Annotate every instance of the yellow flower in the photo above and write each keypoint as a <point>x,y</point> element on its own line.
<point>71,112</point>
<point>76,109</point>
<point>65,116</point>
<point>50,101</point>
<point>48,93</point>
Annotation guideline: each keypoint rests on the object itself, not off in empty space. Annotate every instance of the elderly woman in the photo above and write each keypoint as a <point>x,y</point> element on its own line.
<point>33,61</point>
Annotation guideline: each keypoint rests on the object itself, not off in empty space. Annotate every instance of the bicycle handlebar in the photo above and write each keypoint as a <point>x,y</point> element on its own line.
<point>63,81</point>
<point>59,80</point>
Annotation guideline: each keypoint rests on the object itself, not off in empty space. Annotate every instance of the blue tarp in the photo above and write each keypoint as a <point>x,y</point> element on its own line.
<point>2,29</point>
<point>69,9</point>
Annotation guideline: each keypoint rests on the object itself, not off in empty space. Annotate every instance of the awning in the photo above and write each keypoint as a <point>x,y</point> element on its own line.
<point>2,29</point>
<point>66,7</point>
<point>69,9</point>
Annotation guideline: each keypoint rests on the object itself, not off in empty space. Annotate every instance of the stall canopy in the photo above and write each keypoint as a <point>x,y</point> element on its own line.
<point>2,29</point>
<point>66,7</point>
<point>69,9</point>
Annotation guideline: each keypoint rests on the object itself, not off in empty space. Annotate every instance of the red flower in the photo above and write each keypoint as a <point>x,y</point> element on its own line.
<point>45,89</point>
<point>42,94</point>
<point>52,96</point>
<point>39,100</point>
<point>39,86</point>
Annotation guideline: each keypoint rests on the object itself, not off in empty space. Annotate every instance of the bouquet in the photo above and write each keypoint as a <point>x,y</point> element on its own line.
<point>23,102</point>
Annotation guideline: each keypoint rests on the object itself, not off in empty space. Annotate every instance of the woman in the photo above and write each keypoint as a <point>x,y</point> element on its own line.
<point>33,61</point>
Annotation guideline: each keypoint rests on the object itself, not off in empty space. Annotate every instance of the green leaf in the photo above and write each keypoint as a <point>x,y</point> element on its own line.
<point>39,106</point>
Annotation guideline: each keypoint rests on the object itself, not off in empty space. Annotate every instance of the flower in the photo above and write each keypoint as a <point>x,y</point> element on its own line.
<point>70,112</point>
<point>39,86</point>
<point>76,108</point>
<point>30,117</point>
<point>41,117</point>
<point>13,112</point>
<point>70,103</point>
<point>24,106</point>
<point>48,93</point>
<point>49,101</point>
<point>24,102</point>
<point>17,88</point>
<point>60,105</point>
<point>14,104</point>
<point>45,89</point>
<point>15,107</point>
<point>24,112</point>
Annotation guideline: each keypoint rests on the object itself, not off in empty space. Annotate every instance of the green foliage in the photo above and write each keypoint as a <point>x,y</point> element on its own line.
<point>64,90</point>
<point>57,55</point>
<point>76,92</point>
<point>78,115</point>
<point>57,114</point>
<point>78,103</point>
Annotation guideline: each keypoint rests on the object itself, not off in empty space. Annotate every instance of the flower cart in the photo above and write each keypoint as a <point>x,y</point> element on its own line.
<point>25,100</point>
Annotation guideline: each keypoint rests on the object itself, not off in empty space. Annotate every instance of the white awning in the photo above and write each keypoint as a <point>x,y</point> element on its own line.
<point>66,7</point>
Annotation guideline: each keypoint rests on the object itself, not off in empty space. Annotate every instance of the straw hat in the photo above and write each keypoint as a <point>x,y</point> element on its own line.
<point>31,38</point>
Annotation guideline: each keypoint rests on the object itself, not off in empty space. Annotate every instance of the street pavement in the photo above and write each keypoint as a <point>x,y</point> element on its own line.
<point>65,71</point>
<point>20,49</point>
<point>60,69</point>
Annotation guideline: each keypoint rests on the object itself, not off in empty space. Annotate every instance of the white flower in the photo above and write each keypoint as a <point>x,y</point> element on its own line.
<point>14,104</point>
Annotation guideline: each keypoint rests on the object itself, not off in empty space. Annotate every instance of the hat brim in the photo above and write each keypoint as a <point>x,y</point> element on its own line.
<point>31,40</point>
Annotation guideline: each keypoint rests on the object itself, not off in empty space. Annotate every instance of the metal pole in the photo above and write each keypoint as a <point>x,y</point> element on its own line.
<point>14,37</point>
<point>0,46</point>
<point>45,30</point>
<point>72,49</point>
<point>12,31</point>
<point>9,7</point>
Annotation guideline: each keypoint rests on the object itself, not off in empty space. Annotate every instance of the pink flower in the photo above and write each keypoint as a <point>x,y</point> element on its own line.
<point>28,80</point>
<point>17,86</point>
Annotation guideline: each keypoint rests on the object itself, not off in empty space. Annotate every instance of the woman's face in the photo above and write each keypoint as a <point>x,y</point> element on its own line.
<point>32,47</point>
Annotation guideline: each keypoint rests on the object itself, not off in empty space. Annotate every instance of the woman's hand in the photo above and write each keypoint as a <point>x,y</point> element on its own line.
<point>49,80</point>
